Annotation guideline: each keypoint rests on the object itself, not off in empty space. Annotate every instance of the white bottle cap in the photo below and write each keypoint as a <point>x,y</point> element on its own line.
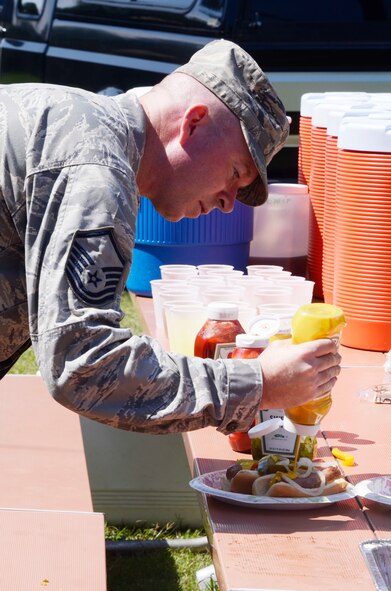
<point>251,341</point>
<point>303,430</point>
<point>223,311</point>
<point>265,325</point>
<point>265,428</point>
<point>272,425</point>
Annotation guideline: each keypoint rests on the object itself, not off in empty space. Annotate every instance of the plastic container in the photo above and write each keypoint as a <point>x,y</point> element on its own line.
<point>313,321</point>
<point>362,278</point>
<point>335,117</point>
<point>216,338</point>
<point>213,238</point>
<point>281,229</point>
<point>247,347</point>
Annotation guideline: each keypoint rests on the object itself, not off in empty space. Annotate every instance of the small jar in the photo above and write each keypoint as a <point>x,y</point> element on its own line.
<point>216,338</point>
<point>248,346</point>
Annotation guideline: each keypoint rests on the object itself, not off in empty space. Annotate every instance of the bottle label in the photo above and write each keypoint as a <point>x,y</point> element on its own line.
<point>223,350</point>
<point>280,442</point>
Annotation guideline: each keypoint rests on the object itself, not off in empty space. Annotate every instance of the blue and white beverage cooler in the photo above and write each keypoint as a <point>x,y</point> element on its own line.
<point>213,238</point>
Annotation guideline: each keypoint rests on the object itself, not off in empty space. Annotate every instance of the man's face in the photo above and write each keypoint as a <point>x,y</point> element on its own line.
<point>204,173</point>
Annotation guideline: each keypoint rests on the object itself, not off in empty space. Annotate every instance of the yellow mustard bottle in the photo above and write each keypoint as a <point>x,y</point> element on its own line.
<point>310,322</point>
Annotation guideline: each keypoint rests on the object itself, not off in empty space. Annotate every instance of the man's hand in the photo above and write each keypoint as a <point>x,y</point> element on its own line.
<point>294,374</point>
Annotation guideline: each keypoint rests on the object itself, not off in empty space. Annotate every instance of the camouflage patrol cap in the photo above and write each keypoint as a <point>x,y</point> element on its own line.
<point>236,79</point>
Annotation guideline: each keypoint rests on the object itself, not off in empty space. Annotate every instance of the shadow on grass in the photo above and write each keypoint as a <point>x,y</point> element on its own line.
<point>142,571</point>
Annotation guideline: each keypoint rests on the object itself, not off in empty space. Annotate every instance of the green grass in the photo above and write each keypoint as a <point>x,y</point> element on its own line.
<point>160,570</point>
<point>165,570</point>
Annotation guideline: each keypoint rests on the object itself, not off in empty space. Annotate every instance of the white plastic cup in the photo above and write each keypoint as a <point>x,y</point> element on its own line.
<point>232,293</point>
<point>214,267</point>
<point>175,303</point>
<point>246,314</point>
<point>178,271</point>
<point>271,275</point>
<point>183,323</point>
<point>156,286</point>
<point>277,309</point>
<point>271,295</point>
<point>301,290</point>
<point>253,269</point>
<point>204,281</point>
<point>285,279</point>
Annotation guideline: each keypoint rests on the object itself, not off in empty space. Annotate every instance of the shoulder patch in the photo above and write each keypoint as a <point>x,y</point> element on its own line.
<point>94,266</point>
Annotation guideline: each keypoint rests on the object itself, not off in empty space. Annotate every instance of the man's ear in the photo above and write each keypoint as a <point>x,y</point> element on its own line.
<point>194,116</point>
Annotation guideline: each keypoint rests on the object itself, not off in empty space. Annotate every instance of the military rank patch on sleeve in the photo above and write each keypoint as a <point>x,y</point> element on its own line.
<point>94,266</point>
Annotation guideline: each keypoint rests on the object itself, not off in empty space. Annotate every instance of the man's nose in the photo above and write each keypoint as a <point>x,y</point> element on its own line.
<point>226,202</point>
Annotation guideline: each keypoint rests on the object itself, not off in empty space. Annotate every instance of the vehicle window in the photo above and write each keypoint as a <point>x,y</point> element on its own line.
<point>30,7</point>
<point>177,4</point>
<point>332,11</point>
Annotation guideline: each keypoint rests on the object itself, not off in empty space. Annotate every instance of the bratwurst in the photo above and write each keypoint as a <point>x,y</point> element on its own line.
<point>311,478</point>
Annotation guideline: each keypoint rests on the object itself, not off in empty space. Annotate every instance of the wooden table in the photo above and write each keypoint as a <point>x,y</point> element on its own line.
<point>50,537</point>
<point>311,550</point>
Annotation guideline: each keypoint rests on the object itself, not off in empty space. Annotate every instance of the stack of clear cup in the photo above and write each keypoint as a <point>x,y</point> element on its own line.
<point>178,272</point>
<point>157,286</point>
<point>250,283</point>
<point>301,288</point>
<point>271,295</point>
<point>214,268</point>
<point>255,269</point>
<point>183,323</point>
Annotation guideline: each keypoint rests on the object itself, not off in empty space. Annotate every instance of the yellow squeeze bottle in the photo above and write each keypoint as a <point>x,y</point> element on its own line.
<point>310,322</point>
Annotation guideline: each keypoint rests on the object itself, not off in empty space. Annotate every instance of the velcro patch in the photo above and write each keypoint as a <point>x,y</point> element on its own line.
<point>94,266</point>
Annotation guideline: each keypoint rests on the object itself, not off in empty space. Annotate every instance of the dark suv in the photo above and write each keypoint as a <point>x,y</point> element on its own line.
<point>112,45</point>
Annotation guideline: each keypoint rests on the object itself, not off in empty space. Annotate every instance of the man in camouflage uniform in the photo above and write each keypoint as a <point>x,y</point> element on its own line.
<point>72,166</point>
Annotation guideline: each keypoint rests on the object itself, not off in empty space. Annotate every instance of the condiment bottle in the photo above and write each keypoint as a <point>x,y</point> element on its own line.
<point>313,321</point>
<point>248,346</point>
<point>216,338</point>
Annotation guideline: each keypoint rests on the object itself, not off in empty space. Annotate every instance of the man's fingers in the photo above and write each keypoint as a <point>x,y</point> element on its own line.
<point>329,360</point>
<point>324,346</point>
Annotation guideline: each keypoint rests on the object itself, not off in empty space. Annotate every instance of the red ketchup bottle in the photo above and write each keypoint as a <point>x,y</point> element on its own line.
<point>248,346</point>
<point>216,338</point>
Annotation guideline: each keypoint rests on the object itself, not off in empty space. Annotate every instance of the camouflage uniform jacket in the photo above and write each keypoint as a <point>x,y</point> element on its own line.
<point>68,207</point>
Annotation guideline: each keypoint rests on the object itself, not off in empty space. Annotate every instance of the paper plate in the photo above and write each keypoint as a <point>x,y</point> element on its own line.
<point>376,489</point>
<point>215,484</point>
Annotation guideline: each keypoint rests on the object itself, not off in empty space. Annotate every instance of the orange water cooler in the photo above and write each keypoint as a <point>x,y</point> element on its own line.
<point>362,282</point>
<point>317,180</point>
<point>334,119</point>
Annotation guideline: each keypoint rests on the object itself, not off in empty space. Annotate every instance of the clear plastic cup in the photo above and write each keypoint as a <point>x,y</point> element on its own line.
<point>272,274</point>
<point>284,278</point>
<point>253,269</point>
<point>277,309</point>
<point>301,291</point>
<point>175,303</point>
<point>178,271</point>
<point>246,314</point>
<point>271,295</point>
<point>230,293</point>
<point>156,286</point>
<point>216,267</point>
<point>183,323</point>
<point>203,281</point>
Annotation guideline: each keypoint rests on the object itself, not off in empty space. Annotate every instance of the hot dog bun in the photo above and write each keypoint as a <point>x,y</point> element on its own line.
<point>261,487</point>
<point>242,482</point>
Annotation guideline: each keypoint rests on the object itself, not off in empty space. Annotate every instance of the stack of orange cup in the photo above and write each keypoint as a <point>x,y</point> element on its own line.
<point>334,118</point>
<point>307,102</point>
<point>362,232</point>
<point>318,179</point>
